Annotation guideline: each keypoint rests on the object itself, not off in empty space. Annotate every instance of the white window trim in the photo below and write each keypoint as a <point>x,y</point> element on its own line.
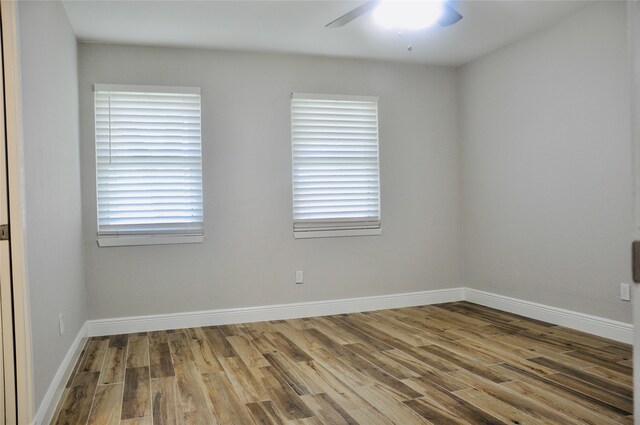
<point>146,89</point>
<point>377,231</point>
<point>107,241</point>
<point>346,97</point>
<point>132,240</point>
<point>336,233</point>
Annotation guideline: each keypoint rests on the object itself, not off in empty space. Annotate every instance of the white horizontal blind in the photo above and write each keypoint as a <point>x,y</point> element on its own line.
<point>336,178</point>
<point>148,161</point>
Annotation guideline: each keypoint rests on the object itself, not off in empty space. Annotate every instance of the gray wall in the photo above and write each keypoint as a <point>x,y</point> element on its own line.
<point>55,259</point>
<point>547,177</point>
<point>249,255</point>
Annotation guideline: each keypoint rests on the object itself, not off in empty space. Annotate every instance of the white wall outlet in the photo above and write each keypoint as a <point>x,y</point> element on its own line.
<point>625,292</point>
<point>299,277</point>
<point>61,324</point>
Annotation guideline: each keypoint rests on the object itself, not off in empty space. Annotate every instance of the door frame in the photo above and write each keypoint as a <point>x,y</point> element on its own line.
<point>22,328</point>
<point>633,28</point>
<point>8,402</point>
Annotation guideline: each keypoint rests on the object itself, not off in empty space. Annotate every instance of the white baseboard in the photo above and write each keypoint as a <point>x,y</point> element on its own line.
<point>600,326</point>
<point>270,312</point>
<point>608,328</point>
<point>51,398</point>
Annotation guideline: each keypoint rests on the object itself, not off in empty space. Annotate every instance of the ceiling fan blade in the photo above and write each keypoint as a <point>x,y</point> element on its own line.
<point>449,17</point>
<point>353,14</point>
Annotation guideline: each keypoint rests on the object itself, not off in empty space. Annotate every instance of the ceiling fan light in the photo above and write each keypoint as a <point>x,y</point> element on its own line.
<point>407,14</point>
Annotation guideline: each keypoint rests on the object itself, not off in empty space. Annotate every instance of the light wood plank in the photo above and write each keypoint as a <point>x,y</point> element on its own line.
<point>114,365</point>
<point>138,352</point>
<point>163,401</point>
<point>194,396</point>
<point>203,356</point>
<point>228,408</point>
<point>77,404</point>
<point>243,380</point>
<point>107,404</point>
<point>249,354</point>
<point>93,358</point>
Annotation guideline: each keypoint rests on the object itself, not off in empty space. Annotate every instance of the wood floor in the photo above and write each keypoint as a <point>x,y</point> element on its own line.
<point>456,363</point>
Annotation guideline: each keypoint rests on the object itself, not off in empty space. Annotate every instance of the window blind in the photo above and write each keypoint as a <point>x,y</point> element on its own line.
<point>336,178</point>
<point>148,161</point>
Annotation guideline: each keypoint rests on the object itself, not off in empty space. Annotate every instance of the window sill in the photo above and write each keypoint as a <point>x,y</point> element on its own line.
<point>336,233</point>
<point>107,241</point>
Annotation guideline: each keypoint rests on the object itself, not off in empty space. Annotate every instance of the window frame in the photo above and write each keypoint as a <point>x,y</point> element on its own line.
<point>151,238</point>
<point>347,232</point>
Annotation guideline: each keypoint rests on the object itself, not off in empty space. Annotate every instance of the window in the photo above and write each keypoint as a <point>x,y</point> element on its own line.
<point>148,165</point>
<point>336,177</point>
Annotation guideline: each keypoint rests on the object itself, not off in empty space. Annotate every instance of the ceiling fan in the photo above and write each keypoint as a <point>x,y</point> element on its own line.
<point>441,12</point>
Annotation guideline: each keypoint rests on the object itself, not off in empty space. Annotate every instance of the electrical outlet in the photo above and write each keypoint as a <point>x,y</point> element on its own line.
<point>299,277</point>
<point>61,324</point>
<point>625,292</point>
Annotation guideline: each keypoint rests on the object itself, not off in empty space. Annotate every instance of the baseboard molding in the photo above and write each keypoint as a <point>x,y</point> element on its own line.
<point>608,328</point>
<point>270,312</point>
<point>600,326</point>
<point>51,398</point>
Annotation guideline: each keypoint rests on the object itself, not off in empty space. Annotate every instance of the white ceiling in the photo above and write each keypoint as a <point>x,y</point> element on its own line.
<point>298,27</point>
